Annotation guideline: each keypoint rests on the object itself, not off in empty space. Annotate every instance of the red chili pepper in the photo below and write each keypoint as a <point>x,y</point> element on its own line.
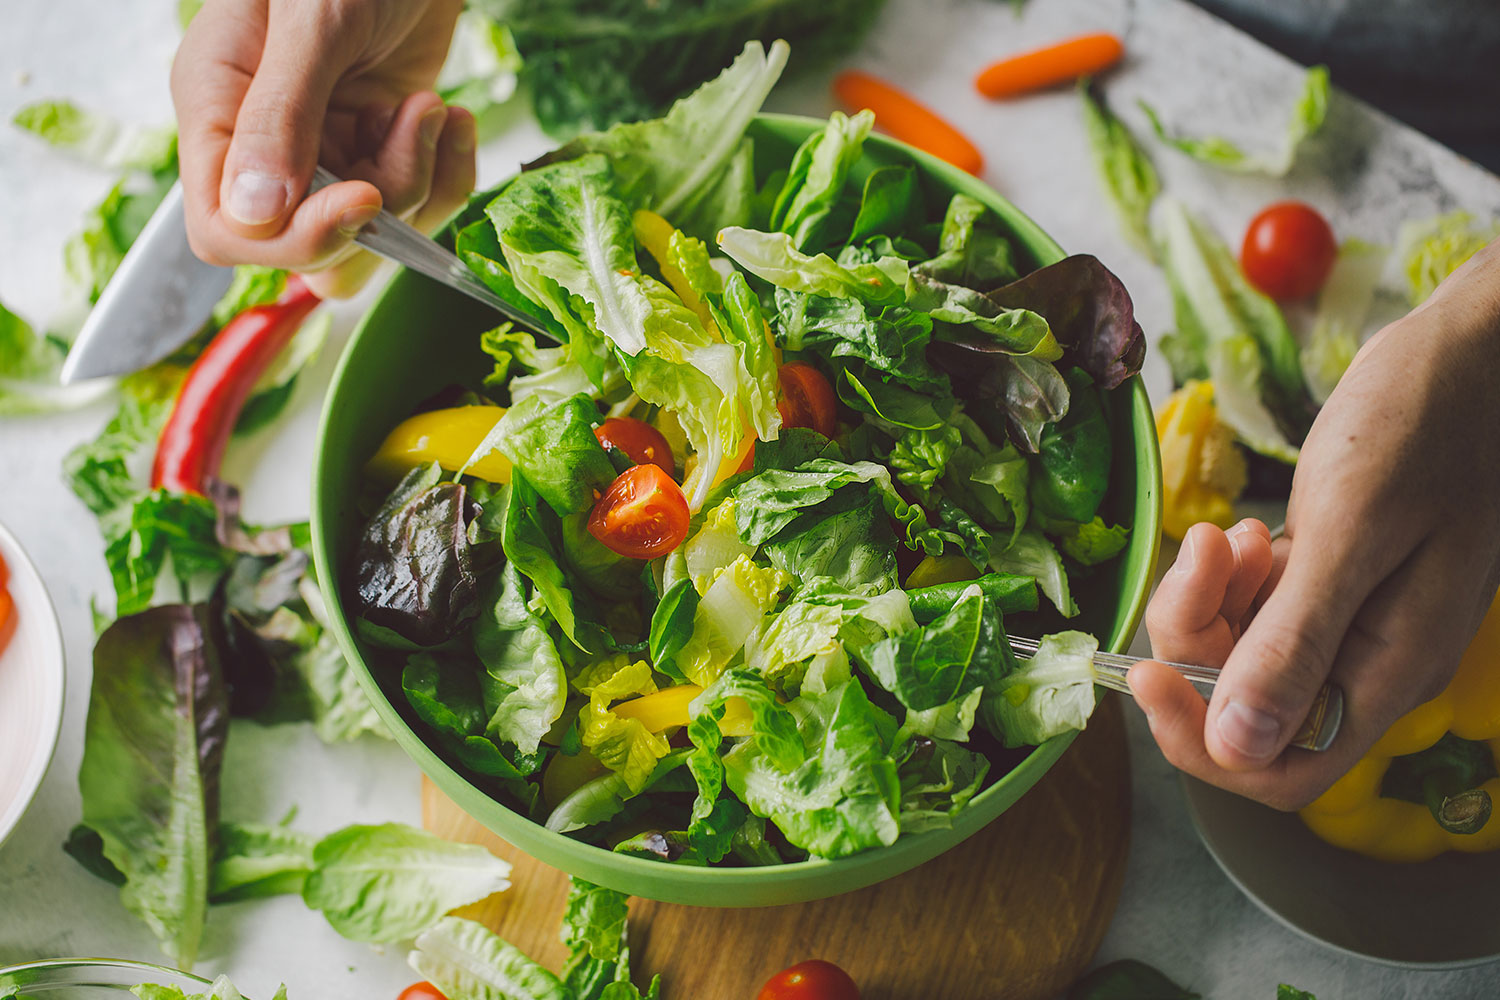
<point>193,440</point>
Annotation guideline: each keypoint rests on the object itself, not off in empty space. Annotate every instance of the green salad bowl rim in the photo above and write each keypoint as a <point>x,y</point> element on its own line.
<point>46,976</point>
<point>347,418</point>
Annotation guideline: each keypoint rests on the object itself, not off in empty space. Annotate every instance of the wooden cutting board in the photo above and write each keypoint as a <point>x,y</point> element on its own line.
<point>1016,911</point>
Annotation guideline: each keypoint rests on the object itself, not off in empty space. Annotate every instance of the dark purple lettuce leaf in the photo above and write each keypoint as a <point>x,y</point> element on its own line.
<point>415,571</point>
<point>1009,397</point>
<point>1090,313</point>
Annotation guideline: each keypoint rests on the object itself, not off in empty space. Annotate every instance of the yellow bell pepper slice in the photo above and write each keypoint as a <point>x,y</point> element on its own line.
<point>933,570</point>
<point>565,775</point>
<point>1202,471</point>
<point>668,708</point>
<point>655,234</point>
<point>447,437</point>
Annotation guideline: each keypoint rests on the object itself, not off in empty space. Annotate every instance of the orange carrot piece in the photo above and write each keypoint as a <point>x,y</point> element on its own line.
<point>5,605</point>
<point>1063,62</point>
<point>897,114</point>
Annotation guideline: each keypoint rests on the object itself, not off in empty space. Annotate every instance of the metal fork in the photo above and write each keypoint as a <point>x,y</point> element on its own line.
<point>395,240</point>
<point>1316,732</point>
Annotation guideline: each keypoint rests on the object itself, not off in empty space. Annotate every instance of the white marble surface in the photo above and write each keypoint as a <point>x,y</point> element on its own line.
<point>1177,910</point>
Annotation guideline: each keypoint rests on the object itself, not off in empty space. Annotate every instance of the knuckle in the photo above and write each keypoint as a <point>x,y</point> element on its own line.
<point>1298,657</point>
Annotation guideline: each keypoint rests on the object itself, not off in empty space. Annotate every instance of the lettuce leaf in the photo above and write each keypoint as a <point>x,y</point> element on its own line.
<point>1339,324</point>
<point>1030,554</point>
<point>389,883</point>
<point>625,746</point>
<point>728,613</point>
<point>893,340</point>
<point>152,754</point>
<point>844,795</point>
<point>446,695</point>
<point>941,662</point>
<point>465,961</point>
<point>774,257</point>
<point>676,165</point>
<point>970,252</point>
<point>937,781</point>
<point>1233,335</point>
<point>1045,696</point>
<point>255,861</point>
<point>1432,249</point>
<point>1124,169</point>
<point>97,139</point>
<point>815,181</point>
<point>523,680</point>
<point>1307,117</point>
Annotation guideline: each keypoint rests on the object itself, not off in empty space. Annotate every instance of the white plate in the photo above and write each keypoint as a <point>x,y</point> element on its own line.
<point>31,685</point>
<point>1438,914</point>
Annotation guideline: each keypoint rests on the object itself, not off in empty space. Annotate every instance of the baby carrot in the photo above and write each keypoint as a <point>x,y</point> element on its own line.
<point>903,118</point>
<point>5,599</point>
<point>1045,67</point>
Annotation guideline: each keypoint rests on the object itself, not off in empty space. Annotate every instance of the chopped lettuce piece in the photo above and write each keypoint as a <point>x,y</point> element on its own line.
<point>1030,554</point>
<point>465,961</point>
<point>943,661</point>
<point>1045,696</point>
<point>970,252</point>
<point>774,257</point>
<point>937,781</point>
<point>1307,117</point>
<point>810,195</point>
<point>98,139</point>
<point>1339,325</point>
<point>524,684</point>
<point>729,612</point>
<point>623,745</point>
<point>1434,248</point>
<point>480,71</point>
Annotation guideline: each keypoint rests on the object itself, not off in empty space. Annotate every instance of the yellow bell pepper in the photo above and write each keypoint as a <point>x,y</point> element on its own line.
<point>933,570</point>
<point>1202,471</point>
<point>668,708</point>
<point>447,437</point>
<point>1447,752</point>
<point>655,234</point>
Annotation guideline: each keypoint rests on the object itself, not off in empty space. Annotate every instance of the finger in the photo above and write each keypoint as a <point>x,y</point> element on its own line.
<point>402,167</point>
<point>454,172</point>
<point>371,127</point>
<point>1184,618</point>
<point>279,126</point>
<point>1251,542</point>
<point>1174,710</point>
<point>1286,654</point>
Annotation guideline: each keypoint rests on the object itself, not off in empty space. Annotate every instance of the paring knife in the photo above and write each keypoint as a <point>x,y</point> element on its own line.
<point>161,294</point>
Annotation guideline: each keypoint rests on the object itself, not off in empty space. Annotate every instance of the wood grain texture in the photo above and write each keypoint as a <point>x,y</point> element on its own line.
<point>1016,911</point>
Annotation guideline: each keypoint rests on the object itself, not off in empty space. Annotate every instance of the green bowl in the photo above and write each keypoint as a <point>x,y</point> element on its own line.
<point>420,337</point>
<point>92,979</point>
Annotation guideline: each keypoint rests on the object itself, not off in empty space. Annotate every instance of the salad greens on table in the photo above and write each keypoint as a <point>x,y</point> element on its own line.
<point>888,430</point>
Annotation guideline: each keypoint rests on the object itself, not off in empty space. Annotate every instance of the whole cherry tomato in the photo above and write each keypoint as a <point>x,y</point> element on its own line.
<point>641,442</point>
<point>807,399</point>
<point>1289,250</point>
<point>421,991</point>
<point>642,515</point>
<point>811,980</point>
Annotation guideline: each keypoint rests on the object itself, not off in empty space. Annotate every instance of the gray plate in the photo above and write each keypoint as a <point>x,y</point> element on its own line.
<point>1439,914</point>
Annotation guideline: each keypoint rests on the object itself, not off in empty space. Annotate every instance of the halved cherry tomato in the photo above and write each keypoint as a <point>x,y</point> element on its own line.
<point>811,980</point>
<point>643,443</point>
<point>807,399</point>
<point>642,515</point>
<point>421,991</point>
<point>1289,250</point>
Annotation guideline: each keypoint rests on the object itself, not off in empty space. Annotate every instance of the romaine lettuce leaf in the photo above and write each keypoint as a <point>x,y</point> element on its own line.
<point>390,883</point>
<point>815,181</point>
<point>523,680</point>
<point>848,540</point>
<point>98,139</point>
<point>555,448</point>
<point>774,257</point>
<point>920,456</point>
<point>1432,249</point>
<point>1307,117</point>
<point>446,696</point>
<point>623,745</point>
<point>465,961</point>
<point>1030,554</point>
<point>1045,696</point>
<point>254,861</point>
<point>893,340</point>
<point>970,252</point>
<point>531,535</point>
<point>728,613</point>
<point>673,164</point>
<point>1339,324</point>
<point>1235,336</point>
<point>844,795</point>
<point>937,781</point>
<point>890,199</point>
<point>938,663</point>
<point>1124,169</point>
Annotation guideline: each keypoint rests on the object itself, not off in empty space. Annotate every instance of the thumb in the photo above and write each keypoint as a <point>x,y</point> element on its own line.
<point>279,128</point>
<point>1286,655</point>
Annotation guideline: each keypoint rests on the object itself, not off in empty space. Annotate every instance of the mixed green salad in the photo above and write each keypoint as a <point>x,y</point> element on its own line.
<point>722,578</point>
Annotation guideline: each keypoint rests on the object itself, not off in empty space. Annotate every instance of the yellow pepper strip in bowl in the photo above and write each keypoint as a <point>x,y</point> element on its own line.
<point>933,570</point>
<point>668,708</point>
<point>447,437</point>
<point>1430,783</point>
<point>1202,471</point>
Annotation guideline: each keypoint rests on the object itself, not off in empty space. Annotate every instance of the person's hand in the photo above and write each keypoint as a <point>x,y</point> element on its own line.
<point>1390,559</point>
<point>267,89</point>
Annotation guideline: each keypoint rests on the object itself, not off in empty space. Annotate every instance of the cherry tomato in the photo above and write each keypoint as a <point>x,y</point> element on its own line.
<point>811,980</point>
<point>807,399</point>
<point>642,515</point>
<point>1289,250</point>
<point>637,439</point>
<point>421,991</point>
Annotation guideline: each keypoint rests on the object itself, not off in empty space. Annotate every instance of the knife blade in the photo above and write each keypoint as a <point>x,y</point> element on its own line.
<point>159,297</point>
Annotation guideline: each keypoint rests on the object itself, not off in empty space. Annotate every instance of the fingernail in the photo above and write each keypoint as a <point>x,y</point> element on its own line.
<point>1236,531</point>
<point>256,198</point>
<point>355,219</point>
<point>431,126</point>
<point>1249,730</point>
